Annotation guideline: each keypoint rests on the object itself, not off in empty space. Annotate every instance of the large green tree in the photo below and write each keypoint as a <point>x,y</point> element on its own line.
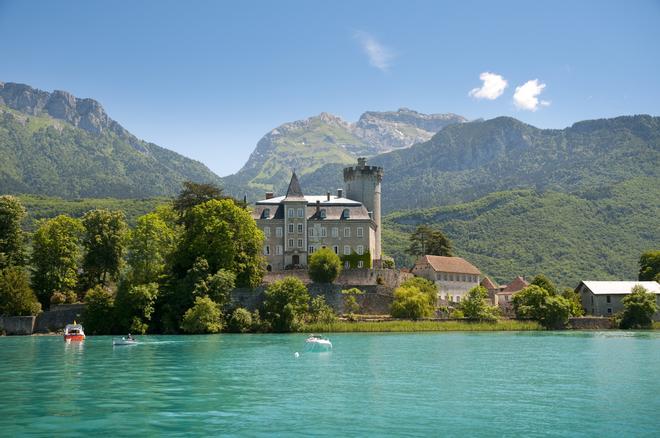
<point>56,257</point>
<point>649,266</point>
<point>134,306</point>
<point>98,316</point>
<point>104,242</point>
<point>428,241</point>
<point>193,194</point>
<point>12,239</point>
<point>534,302</point>
<point>16,296</point>
<point>227,237</point>
<point>638,309</point>
<point>476,305</point>
<point>285,305</point>
<point>545,283</point>
<point>150,242</point>
<point>324,266</point>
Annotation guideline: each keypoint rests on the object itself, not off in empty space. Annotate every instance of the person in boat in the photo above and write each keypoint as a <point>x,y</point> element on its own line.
<point>130,338</point>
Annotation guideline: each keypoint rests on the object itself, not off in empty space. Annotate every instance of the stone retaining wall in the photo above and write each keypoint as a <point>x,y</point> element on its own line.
<point>17,325</point>
<point>590,323</point>
<point>57,317</point>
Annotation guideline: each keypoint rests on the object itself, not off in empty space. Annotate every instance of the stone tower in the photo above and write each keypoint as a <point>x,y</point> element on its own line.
<point>362,183</point>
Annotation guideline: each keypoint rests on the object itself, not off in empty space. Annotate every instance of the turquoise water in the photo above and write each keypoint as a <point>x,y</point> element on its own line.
<point>436,384</point>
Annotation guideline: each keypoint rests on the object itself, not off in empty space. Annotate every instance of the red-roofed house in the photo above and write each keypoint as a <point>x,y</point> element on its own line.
<point>454,276</point>
<point>504,298</point>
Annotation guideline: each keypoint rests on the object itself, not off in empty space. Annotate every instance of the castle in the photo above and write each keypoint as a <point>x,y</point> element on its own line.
<point>349,223</point>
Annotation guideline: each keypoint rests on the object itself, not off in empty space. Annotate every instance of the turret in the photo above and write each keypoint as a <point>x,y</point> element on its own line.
<point>362,183</point>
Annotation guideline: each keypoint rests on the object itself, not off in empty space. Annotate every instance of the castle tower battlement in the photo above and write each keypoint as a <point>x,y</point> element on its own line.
<point>362,183</point>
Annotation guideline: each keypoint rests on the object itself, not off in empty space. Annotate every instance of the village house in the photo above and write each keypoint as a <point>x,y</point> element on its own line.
<point>502,295</point>
<point>604,298</point>
<point>296,225</point>
<point>454,276</point>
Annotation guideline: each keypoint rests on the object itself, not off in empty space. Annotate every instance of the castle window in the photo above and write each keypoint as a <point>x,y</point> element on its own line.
<point>300,228</point>
<point>278,250</point>
<point>335,232</point>
<point>278,231</point>
<point>360,264</point>
<point>347,265</point>
<point>290,243</point>
<point>360,249</point>
<point>322,213</point>
<point>347,250</point>
<point>290,228</point>
<point>311,232</point>
<point>265,214</point>
<point>267,250</point>
<point>336,249</point>
<point>324,232</point>
<point>346,214</point>
<point>347,232</point>
<point>360,232</point>
<point>300,243</point>
<point>267,231</point>
<point>292,212</point>
<point>311,249</point>
<point>301,212</point>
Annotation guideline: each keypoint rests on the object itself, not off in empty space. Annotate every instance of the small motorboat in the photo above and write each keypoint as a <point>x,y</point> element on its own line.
<point>74,332</point>
<point>317,344</point>
<point>124,340</point>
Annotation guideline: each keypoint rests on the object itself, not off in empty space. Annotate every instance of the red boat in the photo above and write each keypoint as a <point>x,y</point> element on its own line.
<point>74,332</point>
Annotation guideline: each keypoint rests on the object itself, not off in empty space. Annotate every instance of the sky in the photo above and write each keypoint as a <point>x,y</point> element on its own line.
<point>209,78</point>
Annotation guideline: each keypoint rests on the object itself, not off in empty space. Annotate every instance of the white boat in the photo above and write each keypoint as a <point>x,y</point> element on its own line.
<point>124,341</point>
<point>317,344</point>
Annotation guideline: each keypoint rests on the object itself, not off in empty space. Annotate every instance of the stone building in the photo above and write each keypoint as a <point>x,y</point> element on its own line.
<point>504,297</point>
<point>296,225</point>
<point>604,298</point>
<point>454,276</point>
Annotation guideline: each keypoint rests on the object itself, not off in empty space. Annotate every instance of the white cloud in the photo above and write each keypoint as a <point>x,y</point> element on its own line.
<point>526,95</point>
<point>379,55</point>
<point>492,88</point>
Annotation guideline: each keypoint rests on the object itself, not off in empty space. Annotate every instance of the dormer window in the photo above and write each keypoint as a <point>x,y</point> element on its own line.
<point>265,214</point>
<point>346,214</point>
<point>322,213</point>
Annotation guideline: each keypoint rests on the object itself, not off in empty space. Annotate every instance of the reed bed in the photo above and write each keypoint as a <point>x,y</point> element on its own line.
<point>421,326</point>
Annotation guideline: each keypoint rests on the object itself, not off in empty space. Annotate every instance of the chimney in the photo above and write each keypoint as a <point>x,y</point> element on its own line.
<point>340,193</point>
<point>269,195</point>
<point>328,196</point>
<point>318,206</point>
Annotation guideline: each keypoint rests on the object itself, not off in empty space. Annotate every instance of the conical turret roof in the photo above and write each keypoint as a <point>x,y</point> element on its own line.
<point>294,192</point>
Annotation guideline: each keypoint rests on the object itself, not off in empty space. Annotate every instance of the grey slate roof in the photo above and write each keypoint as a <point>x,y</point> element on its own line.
<point>294,192</point>
<point>332,212</point>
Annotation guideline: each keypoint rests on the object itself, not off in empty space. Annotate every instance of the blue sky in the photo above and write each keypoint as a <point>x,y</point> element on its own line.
<point>209,78</point>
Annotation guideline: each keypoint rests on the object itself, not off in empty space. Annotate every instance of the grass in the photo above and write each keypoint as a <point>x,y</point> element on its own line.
<point>421,326</point>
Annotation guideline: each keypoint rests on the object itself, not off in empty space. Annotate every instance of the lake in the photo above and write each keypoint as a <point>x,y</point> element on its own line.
<point>441,384</point>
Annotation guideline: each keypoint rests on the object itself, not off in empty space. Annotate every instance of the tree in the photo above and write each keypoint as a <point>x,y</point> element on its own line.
<point>320,311</point>
<point>427,241</point>
<point>536,303</point>
<point>203,317</point>
<point>240,321</point>
<point>55,257</point>
<point>103,241</point>
<point>545,283</point>
<point>649,266</point>
<point>194,194</point>
<point>12,239</point>
<point>99,311</point>
<point>351,306</point>
<point>148,245</point>
<point>285,305</point>
<point>134,306</point>
<point>324,266</point>
<point>218,286</point>
<point>16,296</point>
<point>638,309</point>
<point>574,300</point>
<point>412,303</point>
<point>475,305</point>
<point>227,237</point>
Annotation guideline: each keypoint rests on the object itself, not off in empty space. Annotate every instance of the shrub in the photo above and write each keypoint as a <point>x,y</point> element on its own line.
<point>320,311</point>
<point>16,296</point>
<point>475,305</point>
<point>240,321</point>
<point>99,311</point>
<point>638,309</point>
<point>351,305</point>
<point>457,313</point>
<point>57,298</point>
<point>285,305</point>
<point>203,317</point>
<point>537,303</point>
<point>324,266</point>
<point>545,283</point>
<point>71,297</point>
<point>412,303</point>
<point>574,300</point>
<point>426,286</point>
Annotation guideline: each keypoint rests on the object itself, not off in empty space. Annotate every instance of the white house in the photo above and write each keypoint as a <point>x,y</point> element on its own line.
<point>604,298</point>
<point>454,276</point>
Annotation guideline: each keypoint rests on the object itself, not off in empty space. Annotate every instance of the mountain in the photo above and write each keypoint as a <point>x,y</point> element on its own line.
<point>307,145</point>
<point>466,161</point>
<point>58,145</point>
<point>568,237</point>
